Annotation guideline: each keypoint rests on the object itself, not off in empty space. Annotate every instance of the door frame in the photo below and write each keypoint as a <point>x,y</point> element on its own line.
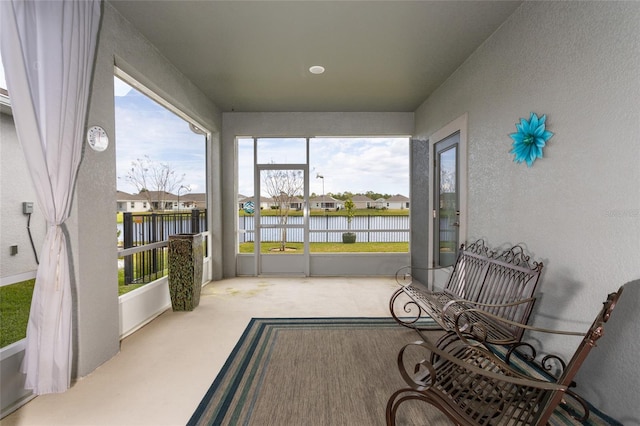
<point>458,125</point>
<point>451,144</point>
<point>301,264</point>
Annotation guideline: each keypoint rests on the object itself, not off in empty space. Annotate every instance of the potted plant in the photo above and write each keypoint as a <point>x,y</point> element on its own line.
<point>349,237</point>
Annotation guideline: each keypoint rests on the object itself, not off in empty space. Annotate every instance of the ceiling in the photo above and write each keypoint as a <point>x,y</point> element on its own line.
<point>254,56</point>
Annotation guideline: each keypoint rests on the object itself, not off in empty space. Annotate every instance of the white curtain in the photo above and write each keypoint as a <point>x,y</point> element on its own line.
<point>48,50</point>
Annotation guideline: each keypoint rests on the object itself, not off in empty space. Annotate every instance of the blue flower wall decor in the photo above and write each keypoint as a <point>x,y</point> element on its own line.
<point>529,140</point>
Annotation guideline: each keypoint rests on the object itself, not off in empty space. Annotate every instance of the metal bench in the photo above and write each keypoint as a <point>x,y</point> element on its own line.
<point>471,385</point>
<point>501,283</point>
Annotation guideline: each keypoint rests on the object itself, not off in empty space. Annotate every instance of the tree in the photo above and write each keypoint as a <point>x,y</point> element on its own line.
<point>350,206</point>
<point>151,177</point>
<point>283,186</point>
<point>376,195</point>
<point>349,237</point>
<point>343,195</point>
<point>447,180</point>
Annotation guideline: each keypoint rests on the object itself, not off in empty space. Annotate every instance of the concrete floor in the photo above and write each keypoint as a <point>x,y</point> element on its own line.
<point>164,369</point>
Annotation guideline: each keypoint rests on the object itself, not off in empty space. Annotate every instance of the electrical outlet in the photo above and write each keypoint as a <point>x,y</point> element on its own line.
<point>27,207</point>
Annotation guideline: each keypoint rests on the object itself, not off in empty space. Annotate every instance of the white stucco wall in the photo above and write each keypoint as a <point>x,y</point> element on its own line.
<point>578,208</point>
<point>300,124</point>
<point>16,185</point>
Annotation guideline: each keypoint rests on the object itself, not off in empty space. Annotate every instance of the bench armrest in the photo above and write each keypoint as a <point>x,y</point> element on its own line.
<point>465,303</point>
<point>464,326</point>
<point>453,309</point>
<point>487,305</point>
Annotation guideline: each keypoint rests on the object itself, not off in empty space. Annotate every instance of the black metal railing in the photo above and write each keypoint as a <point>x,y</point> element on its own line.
<point>145,240</point>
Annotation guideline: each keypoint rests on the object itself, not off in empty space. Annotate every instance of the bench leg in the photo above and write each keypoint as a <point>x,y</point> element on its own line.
<point>409,394</point>
<point>394,402</point>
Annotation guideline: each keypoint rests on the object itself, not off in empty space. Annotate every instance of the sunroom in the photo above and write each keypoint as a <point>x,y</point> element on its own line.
<point>436,75</point>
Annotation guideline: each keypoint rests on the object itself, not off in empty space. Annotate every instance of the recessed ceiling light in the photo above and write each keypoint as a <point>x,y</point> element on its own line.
<point>316,69</point>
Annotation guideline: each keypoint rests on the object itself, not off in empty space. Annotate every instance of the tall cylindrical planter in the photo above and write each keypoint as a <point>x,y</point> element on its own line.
<point>185,271</point>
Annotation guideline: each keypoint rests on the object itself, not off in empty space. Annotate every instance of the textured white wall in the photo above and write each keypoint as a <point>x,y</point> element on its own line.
<point>578,208</point>
<point>16,187</point>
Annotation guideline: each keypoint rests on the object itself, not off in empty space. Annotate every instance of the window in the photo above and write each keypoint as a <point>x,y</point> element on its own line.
<point>282,150</point>
<point>367,170</point>
<point>160,158</point>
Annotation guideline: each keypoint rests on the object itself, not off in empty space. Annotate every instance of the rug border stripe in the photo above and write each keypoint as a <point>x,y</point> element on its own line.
<point>239,374</point>
<point>202,406</point>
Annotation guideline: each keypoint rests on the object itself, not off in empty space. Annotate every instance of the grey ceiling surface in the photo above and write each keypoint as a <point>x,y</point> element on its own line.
<point>255,55</point>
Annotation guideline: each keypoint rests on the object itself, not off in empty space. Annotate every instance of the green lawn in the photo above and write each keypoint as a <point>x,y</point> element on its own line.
<point>15,303</point>
<point>330,248</point>
<point>122,288</point>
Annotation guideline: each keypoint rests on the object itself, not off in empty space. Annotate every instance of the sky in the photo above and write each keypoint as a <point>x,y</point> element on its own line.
<point>356,165</point>
<point>145,128</point>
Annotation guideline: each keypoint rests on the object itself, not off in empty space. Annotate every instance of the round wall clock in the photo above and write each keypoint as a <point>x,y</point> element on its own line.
<point>97,138</point>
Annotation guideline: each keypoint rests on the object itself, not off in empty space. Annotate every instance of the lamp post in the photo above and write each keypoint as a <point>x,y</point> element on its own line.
<point>319,176</point>
<point>322,204</point>
<point>182,187</point>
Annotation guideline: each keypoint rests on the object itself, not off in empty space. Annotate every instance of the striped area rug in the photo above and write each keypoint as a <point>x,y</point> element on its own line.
<point>320,371</point>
